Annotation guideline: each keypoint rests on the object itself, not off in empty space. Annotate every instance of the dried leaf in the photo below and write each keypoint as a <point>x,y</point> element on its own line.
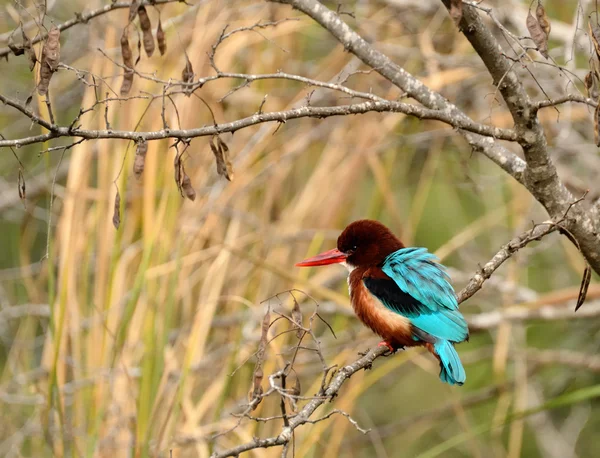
<point>186,186</point>
<point>224,166</point>
<point>117,211</point>
<point>140,158</point>
<point>297,319</point>
<point>28,101</point>
<point>585,283</point>
<point>588,81</point>
<point>146,27</point>
<point>597,125</point>
<point>542,18</point>
<point>594,32</point>
<point>139,52</point>
<point>456,11</point>
<point>187,75</point>
<point>51,49</point>
<point>127,62</point>
<point>49,59</point>
<point>537,34</point>
<point>257,389</point>
<point>21,185</point>
<point>161,38</point>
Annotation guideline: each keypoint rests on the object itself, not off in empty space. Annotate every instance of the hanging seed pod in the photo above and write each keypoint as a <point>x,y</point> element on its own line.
<point>187,75</point>
<point>297,319</point>
<point>537,34</point>
<point>160,38</point>
<point>186,186</point>
<point>140,158</point>
<point>49,59</point>
<point>597,125</point>
<point>146,27</point>
<point>177,170</point>
<point>542,18</point>
<point>133,9</point>
<point>224,166</point>
<point>21,185</point>
<point>127,62</point>
<point>117,211</point>
<point>583,288</point>
<point>594,32</point>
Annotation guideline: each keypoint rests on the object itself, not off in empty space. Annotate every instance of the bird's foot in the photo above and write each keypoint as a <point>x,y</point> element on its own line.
<point>385,343</point>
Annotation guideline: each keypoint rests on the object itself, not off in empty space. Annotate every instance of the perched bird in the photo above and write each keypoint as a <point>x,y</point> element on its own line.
<point>402,294</point>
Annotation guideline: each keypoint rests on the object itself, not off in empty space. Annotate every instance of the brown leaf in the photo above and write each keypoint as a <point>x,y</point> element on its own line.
<point>456,10</point>
<point>127,62</point>
<point>161,38</point>
<point>21,185</point>
<point>49,59</point>
<point>540,14</point>
<point>146,26</point>
<point>585,283</point>
<point>186,185</point>
<point>597,125</point>
<point>594,32</point>
<point>224,166</point>
<point>140,158</point>
<point>537,34</point>
<point>117,211</point>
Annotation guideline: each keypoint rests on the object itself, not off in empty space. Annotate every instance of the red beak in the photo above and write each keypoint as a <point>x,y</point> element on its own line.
<point>328,257</point>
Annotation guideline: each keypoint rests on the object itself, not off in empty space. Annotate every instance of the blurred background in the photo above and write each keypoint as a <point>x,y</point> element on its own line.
<point>141,341</point>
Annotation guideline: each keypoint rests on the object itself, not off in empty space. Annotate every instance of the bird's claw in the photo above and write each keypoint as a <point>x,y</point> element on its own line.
<point>385,343</point>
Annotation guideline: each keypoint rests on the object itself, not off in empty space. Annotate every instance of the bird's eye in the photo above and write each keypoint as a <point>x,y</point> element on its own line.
<point>352,249</point>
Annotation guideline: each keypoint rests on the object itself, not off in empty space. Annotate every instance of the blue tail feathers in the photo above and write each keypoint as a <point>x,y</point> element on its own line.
<point>452,370</point>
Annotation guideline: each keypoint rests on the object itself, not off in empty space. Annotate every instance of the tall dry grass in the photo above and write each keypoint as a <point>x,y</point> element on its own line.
<point>148,323</point>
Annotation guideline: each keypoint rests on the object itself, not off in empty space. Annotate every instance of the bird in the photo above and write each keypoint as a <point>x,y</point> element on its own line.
<point>403,294</point>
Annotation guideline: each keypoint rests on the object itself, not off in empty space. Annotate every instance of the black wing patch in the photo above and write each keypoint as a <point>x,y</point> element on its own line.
<point>390,295</point>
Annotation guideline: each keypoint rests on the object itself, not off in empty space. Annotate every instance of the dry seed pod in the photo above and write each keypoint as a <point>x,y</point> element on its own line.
<point>117,211</point>
<point>537,35</point>
<point>297,319</point>
<point>187,75</point>
<point>540,14</point>
<point>177,169</point>
<point>160,38</point>
<point>224,166</point>
<point>140,158</point>
<point>186,185</point>
<point>21,185</point>
<point>127,62</point>
<point>597,125</point>
<point>456,10</point>
<point>133,9</point>
<point>146,26</point>
<point>583,288</point>
<point>49,59</point>
<point>591,84</point>
<point>51,49</point>
<point>297,389</point>
<point>594,31</point>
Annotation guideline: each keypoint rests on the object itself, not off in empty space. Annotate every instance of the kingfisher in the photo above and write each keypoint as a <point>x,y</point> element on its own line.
<point>401,293</point>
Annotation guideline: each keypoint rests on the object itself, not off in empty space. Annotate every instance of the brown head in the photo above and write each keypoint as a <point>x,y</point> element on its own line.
<point>363,243</point>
